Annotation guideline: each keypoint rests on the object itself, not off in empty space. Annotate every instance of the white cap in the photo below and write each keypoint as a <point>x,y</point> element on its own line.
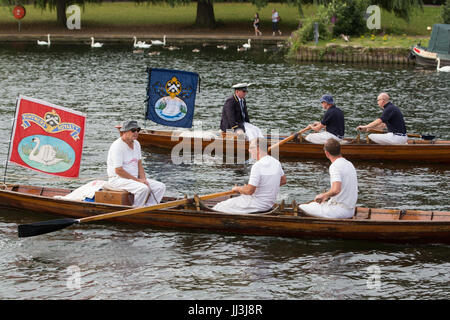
<point>241,86</point>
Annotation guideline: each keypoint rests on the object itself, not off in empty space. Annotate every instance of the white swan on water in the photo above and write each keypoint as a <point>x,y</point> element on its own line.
<point>247,45</point>
<point>141,44</point>
<point>95,44</point>
<point>159,42</point>
<point>46,154</point>
<point>44,43</point>
<point>443,69</point>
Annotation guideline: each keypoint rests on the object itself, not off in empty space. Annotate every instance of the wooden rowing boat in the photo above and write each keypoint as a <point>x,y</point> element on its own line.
<point>284,220</point>
<point>417,150</point>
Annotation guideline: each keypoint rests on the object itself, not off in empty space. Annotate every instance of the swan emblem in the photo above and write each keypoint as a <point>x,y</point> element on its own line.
<point>45,154</point>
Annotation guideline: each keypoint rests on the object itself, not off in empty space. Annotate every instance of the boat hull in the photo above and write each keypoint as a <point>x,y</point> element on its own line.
<point>368,224</point>
<point>427,59</point>
<point>414,151</point>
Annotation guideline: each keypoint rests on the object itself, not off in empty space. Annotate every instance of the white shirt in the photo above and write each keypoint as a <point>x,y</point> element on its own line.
<point>121,155</point>
<point>265,176</point>
<point>343,171</point>
<point>275,16</point>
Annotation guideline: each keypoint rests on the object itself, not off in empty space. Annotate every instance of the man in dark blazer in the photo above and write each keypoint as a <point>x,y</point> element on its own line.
<point>235,115</point>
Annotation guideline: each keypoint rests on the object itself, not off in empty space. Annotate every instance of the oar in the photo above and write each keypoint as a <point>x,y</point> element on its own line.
<point>292,136</point>
<point>411,135</point>
<point>37,228</point>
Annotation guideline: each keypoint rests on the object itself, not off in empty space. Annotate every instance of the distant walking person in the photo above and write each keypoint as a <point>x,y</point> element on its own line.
<point>256,25</point>
<point>343,194</point>
<point>275,21</point>
<point>392,118</point>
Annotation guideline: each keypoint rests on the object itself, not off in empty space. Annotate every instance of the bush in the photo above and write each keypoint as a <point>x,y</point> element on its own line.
<point>348,16</point>
<point>306,33</point>
<point>446,12</point>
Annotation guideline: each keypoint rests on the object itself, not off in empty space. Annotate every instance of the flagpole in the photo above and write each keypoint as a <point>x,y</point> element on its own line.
<point>10,141</point>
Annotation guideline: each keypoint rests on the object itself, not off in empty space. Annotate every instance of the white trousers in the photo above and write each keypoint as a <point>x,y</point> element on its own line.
<point>141,191</point>
<point>241,204</point>
<point>320,137</point>
<point>388,138</point>
<point>326,210</point>
<point>252,131</point>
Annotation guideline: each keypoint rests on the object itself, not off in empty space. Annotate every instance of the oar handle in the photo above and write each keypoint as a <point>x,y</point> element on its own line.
<point>292,136</point>
<point>146,209</point>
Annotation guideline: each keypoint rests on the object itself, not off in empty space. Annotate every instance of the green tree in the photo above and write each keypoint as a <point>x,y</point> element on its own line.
<point>446,12</point>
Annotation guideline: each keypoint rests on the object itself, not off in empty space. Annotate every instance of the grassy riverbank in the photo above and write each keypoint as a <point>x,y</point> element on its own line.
<point>231,17</point>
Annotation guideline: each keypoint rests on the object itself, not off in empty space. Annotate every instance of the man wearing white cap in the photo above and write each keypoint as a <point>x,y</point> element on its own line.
<point>125,169</point>
<point>235,115</point>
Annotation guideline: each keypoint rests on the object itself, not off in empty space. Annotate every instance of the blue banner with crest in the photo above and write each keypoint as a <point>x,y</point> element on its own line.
<point>171,97</point>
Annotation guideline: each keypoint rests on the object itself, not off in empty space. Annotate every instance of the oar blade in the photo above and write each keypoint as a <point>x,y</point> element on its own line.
<point>37,228</point>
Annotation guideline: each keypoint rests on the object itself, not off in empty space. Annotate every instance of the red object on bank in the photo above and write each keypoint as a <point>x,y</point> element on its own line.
<point>19,12</point>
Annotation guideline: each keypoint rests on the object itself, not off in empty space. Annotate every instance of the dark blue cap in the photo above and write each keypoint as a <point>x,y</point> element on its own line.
<point>328,98</point>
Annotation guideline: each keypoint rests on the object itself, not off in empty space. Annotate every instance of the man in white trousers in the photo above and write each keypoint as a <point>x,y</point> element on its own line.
<point>261,192</point>
<point>332,122</point>
<point>392,119</point>
<point>125,169</point>
<point>343,194</point>
<point>235,115</point>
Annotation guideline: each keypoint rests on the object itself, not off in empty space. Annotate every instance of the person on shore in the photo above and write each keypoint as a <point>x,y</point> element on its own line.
<point>392,119</point>
<point>125,169</point>
<point>235,114</point>
<point>333,122</point>
<point>275,20</point>
<point>256,25</point>
<point>261,192</point>
<point>343,194</point>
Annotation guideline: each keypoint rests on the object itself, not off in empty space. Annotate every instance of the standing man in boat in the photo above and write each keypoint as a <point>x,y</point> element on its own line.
<point>343,193</point>
<point>235,115</point>
<point>125,169</point>
<point>261,192</point>
<point>333,122</point>
<point>392,118</point>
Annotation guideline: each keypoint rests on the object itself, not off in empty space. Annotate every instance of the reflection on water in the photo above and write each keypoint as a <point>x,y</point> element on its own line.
<point>132,262</point>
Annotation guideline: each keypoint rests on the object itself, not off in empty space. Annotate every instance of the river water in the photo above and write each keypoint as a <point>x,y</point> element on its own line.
<point>117,261</point>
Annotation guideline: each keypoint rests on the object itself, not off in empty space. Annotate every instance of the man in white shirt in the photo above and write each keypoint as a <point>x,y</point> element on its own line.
<point>125,169</point>
<point>275,21</point>
<point>261,192</point>
<point>343,193</point>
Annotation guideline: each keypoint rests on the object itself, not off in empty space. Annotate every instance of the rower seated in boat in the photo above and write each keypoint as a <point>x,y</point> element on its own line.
<point>261,192</point>
<point>235,115</point>
<point>343,193</point>
<point>392,118</point>
<point>333,122</point>
<point>125,169</point>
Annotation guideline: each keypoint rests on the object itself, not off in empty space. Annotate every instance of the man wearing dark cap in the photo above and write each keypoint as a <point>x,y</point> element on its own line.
<point>125,169</point>
<point>332,122</point>
<point>235,116</point>
<point>392,118</point>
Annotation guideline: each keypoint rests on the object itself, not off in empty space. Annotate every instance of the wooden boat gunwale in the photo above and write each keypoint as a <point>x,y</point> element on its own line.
<point>418,150</point>
<point>436,231</point>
